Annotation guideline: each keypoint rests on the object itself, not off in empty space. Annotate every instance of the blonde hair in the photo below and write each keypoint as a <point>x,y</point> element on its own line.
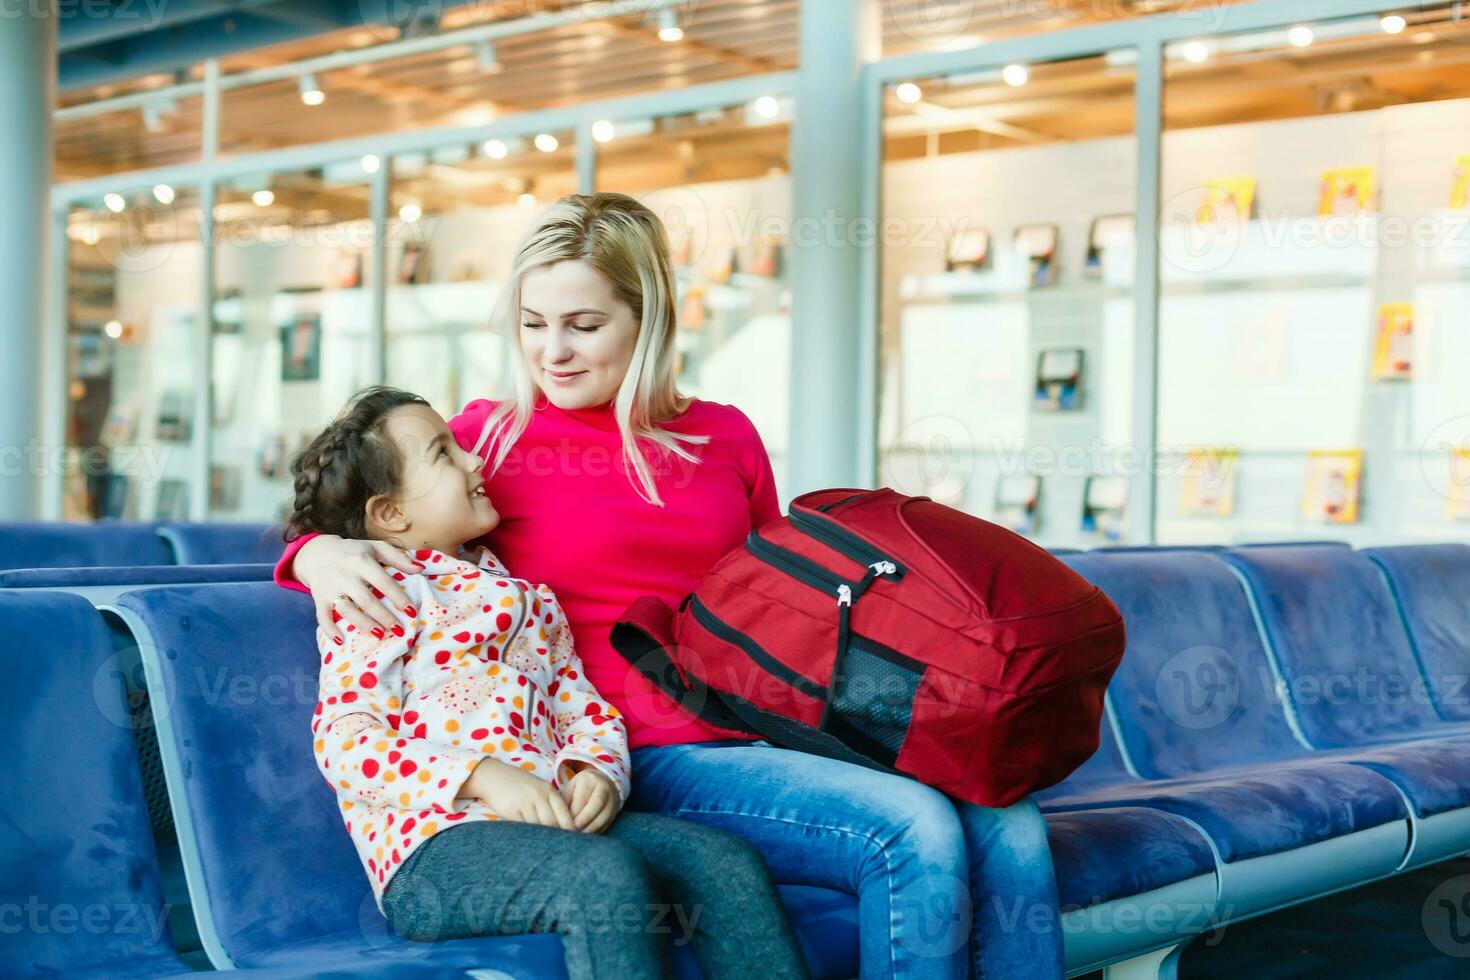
<point>625,242</point>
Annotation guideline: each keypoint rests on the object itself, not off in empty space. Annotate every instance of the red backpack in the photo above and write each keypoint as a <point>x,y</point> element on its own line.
<point>896,633</point>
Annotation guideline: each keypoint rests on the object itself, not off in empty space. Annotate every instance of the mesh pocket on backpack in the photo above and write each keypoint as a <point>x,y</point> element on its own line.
<point>872,700</point>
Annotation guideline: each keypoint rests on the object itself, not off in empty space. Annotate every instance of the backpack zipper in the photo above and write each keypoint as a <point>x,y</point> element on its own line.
<point>762,659</point>
<point>838,538</point>
<point>799,567</point>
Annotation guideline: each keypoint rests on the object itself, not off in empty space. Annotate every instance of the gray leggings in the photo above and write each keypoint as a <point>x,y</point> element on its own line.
<point>615,898</point>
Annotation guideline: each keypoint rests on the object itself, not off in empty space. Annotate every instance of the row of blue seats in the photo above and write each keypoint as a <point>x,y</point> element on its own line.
<point>122,543</point>
<point>1287,722</point>
<point>117,544</point>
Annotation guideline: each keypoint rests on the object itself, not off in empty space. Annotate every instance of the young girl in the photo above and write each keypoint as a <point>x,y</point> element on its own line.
<point>479,774</point>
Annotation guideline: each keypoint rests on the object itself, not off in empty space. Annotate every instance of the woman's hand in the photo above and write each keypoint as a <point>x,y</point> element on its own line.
<point>333,567</point>
<point>515,794</point>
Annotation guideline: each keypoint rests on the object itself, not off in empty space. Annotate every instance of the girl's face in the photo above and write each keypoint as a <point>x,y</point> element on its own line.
<point>577,337</point>
<point>442,502</point>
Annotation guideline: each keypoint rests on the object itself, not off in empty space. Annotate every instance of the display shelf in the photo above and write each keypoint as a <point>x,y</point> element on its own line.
<point>1270,252</point>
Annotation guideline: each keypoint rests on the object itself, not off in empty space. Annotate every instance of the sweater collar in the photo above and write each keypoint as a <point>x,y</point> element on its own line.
<point>436,562</point>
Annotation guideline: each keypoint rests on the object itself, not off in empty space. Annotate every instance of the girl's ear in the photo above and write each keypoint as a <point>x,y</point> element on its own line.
<point>385,516</point>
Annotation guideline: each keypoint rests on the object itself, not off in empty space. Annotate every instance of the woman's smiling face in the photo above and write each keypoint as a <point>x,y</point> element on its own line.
<point>577,337</point>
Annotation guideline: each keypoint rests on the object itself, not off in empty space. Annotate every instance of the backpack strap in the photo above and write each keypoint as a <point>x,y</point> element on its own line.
<point>645,633</point>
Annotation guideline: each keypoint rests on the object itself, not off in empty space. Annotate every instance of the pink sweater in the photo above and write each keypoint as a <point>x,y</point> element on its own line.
<point>571,519</point>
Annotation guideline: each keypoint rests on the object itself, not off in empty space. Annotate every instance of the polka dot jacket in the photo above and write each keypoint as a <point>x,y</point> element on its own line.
<point>480,666</point>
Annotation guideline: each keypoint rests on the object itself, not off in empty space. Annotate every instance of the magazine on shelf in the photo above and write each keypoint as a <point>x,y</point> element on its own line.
<point>1207,483</point>
<point>1015,502</point>
<point>1227,200</point>
<point>1347,190</point>
<point>1037,245</point>
<point>1334,486</point>
<point>1107,232</point>
<point>1460,183</point>
<point>1457,498</point>
<point>967,250</point>
<point>1058,379</point>
<point>1393,351</point>
<point>1104,506</point>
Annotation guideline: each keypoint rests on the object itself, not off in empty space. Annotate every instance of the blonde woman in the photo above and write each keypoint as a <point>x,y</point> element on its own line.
<point>610,486</point>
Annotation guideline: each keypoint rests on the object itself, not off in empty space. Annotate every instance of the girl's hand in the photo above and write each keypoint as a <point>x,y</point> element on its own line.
<point>333,567</point>
<point>515,794</point>
<point>593,800</point>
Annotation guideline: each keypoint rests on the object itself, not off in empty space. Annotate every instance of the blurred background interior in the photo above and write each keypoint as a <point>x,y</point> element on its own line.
<point>1128,272</point>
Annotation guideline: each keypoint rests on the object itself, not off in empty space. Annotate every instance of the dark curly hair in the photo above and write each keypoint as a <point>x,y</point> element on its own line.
<point>344,467</point>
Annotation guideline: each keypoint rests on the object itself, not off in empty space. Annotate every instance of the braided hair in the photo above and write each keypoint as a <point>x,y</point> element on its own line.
<point>348,464</point>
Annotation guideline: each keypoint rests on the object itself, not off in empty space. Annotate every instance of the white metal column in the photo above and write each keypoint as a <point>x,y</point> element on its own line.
<point>838,38</point>
<point>28,79</point>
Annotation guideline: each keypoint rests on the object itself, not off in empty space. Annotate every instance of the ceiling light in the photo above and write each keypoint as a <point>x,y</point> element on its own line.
<point>546,143</point>
<point>370,163</point>
<point>767,107</point>
<point>115,203</point>
<point>909,92</point>
<point>1300,36</point>
<point>1015,75</point>
<point>668,27</point>
<point>263,199</point>
<point>1196,52</point>
<point>311,92</point>
<point>163,194</point>
<point>603,131</point>
<point>114,328</point>
<point>494,149</point>
<point>410,212</point>
<point>1393,23</point>
<point>526,200</point>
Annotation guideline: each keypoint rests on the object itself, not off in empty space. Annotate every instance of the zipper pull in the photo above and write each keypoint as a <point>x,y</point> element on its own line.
<point>844,594</point>
<point>884,567</point>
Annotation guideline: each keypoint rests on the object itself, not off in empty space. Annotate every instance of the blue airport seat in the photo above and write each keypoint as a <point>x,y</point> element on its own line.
<point>103,585</point>
<point>77,860</point>
<point>1431,583</point>
<point>38,544</point>
<point>1334,632</point>
<point>274,877</point>
<point>1219,752</point>
<point>223,544</point>
<point>1197,696</point>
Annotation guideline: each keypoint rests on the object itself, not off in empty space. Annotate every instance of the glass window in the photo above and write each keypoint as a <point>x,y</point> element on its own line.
<point>1007,317</point>
<point>929,25</point>
<point>162,132</point>
<point>292,319</point>
<point>1314,243</point>
<point>457,215</point>
<point>133,301</point>
<point>603,51</point>
<point>720,180</point>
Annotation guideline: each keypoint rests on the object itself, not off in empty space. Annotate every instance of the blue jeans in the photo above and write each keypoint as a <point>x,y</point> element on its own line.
<point>946,889</point>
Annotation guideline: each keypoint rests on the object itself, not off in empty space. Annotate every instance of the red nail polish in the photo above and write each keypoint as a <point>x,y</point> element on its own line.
<point>378,632</point>
<point>337,640</point>
<point>410,610</point>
